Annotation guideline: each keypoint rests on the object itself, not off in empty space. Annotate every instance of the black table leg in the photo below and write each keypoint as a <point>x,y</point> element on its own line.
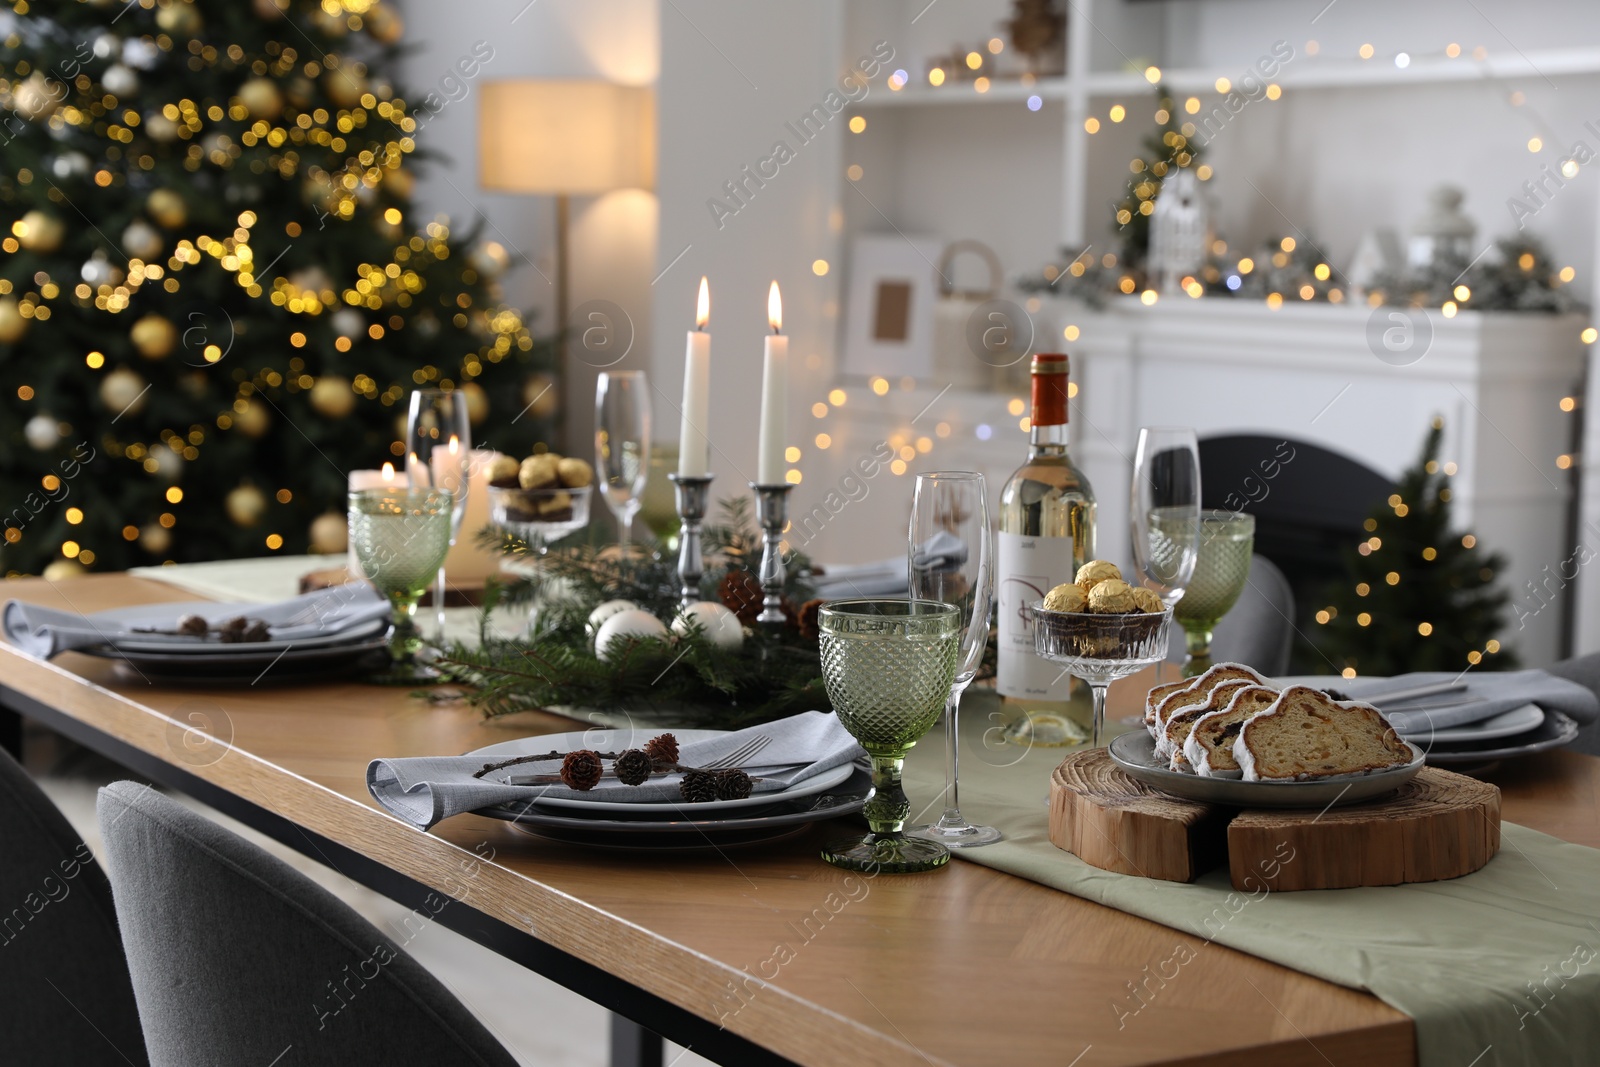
<point>634,1046</point>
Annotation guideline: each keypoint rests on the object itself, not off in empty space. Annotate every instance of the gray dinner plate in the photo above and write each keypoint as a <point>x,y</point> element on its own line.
<point>1557,730</point>
<point>291,665</point>
<point>1135,753</point>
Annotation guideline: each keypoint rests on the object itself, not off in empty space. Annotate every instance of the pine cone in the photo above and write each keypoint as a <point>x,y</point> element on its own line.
<point>581,770</point>
<point>633,767</point>
<point>733,784</point>
<point>740,592</point>
<point>698,786</point>
<point>809,619</point>
<point>663,751</point>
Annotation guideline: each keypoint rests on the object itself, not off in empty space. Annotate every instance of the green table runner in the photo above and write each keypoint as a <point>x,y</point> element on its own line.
<point>1499,967</point>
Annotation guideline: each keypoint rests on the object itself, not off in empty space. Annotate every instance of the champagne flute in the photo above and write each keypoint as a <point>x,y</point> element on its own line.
<point>951,561</point>
<point>622,445</point>
<point>1165,510</point>
<point>888,666</point>
<point>438,450</point>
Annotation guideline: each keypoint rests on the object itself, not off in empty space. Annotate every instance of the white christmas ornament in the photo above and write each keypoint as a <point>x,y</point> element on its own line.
<point>141,241</point>
<point>70,165</point>
<point>348,322</point>
<point>42,432</point>
<point>1177,231</point>
<point>140,53</point>
<point>719,625</point>
<point>598,617</point>
<point>616,631</point>
<point>120,80</point>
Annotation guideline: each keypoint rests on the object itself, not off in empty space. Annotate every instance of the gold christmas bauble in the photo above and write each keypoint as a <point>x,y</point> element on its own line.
<point>246,505</point>
<point>63,570</point>
<point>330,533</point>
<point>122,390</point>
<point>330,22</point>
<point>41,231</point>
<point>269,9</point>
<point>332,396</point>
<point>179,19</point>
<point>385,24</point>
<point>36,98</point>
<point>400,182</point>
<point>12,324</point>
<point>253,421</point>
<point>167,208</point>
<point>155,539</point>
<point>477,402</point>
<point>262,98</point>
<point>154,336</point>
<point>345,86</point>
<point>142,241</point>
<point>541,396</point>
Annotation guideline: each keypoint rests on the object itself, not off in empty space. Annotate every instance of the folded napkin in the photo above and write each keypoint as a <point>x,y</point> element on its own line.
<point>889,577</point>
<point>424,789</point>
<point>1486,696</point>
<point>44,632</point>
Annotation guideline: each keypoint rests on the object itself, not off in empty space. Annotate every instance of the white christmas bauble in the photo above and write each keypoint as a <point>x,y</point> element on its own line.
<point>169,465</point>
<point>160,128</point>
<point>64,570</point>
<point>121,390</point>
<point>42,432</point>
<point>330,533</point>
<point>348,322</point>
<point>140,53</point>
<point>70,165</point>
<point>598,617</point>
<point>489,259</point>
<point>632,623</point>
<point>107,45</point>
<point>98,270</point>
<point>719,625</point>
<point>120,80</point>
<point>141,241</point>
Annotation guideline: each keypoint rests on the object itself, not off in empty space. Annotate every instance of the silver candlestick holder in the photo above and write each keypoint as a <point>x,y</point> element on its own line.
<point>772,515</point>
<point>693,495</point>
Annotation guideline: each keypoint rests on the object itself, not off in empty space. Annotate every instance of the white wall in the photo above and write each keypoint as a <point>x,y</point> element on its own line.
<point>613,236</point>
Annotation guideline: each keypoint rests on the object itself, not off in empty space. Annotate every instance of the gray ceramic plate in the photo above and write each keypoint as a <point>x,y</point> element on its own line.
<point>1135,753</point>
<point>1557,730</point>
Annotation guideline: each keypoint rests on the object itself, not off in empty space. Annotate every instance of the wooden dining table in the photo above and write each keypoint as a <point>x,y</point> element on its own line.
<point>755,955</point>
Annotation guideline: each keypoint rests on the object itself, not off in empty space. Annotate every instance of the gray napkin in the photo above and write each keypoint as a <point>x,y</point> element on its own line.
<point>44,632</point>
<point>889,577</point>
<point>1486,696</point>
<point>424,789</point>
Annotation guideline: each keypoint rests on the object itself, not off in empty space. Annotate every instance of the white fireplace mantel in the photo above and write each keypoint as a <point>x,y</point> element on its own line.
<point>1302,371</point>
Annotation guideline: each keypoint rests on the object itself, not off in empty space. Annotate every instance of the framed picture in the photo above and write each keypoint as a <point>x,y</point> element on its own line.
<point>888,325</point>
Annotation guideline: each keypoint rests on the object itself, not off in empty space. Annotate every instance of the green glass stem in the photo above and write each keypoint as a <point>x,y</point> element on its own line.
<point>886,812</point>
<point>407,639</point>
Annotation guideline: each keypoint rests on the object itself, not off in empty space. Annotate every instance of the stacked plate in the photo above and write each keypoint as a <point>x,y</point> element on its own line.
<point>1520,731</point>
<point>678,825</point>
<point>169,659</point>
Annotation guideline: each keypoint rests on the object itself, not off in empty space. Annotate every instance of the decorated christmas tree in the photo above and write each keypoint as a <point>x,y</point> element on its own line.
<point>214,292</point>
<point>1419,596</point>
<point>1167,148</point>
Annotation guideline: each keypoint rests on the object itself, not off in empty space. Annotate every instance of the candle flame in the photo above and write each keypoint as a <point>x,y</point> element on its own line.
<point>702,307</point>
<point>388,473</point>
<point>774,308</point>
<point>455,445</point>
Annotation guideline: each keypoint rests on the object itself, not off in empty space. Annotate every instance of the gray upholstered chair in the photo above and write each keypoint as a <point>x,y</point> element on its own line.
<point>1259,630</point>
<point>1585,670</point>
<point>237,958</point>
<point>65,997</point>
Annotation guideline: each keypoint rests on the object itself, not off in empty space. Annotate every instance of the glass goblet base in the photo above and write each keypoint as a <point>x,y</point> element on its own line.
<point>961,835</point>
<point>1044,729</point>
<point>891,853</point>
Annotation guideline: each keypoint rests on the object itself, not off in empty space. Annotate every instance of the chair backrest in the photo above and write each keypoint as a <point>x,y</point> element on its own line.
<point>237,958</point>
<point>65,997</point>
<point>1259,630</point>
<point>1585,670</point>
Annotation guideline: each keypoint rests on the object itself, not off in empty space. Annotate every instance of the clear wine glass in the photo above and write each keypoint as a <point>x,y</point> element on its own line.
<point>622,445</point>
<point>438,455</point>
<point>951,560</point>
<point>1165,511</point>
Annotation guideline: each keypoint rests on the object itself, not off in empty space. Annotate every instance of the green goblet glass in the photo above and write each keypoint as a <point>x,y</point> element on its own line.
<point>1227,539</point>
<point>888,666</point>
<point>401,537</point>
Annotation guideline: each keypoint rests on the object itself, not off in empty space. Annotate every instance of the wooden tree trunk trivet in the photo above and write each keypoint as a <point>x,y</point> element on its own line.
<point>1439,825</point>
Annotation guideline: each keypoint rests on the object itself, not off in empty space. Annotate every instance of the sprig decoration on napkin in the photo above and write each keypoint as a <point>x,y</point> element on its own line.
<point>583,769</point>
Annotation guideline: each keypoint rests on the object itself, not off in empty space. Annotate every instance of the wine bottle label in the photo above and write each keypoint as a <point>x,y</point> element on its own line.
<point>1029,567</point>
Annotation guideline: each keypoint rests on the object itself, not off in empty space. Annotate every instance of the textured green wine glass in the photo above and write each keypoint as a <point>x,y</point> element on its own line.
<point>401,537</point>
<point>1227,539</point>
<point>888,666</point>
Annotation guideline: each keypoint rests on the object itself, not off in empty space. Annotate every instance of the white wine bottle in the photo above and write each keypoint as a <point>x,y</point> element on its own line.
<point>1046,534</point>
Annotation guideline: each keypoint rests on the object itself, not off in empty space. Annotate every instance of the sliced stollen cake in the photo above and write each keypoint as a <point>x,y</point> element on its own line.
<point>1176,726</point>
<point>1209,747</point>
<point>1307,734</point>
<point>1200,688</point>
<point>1153,699</point>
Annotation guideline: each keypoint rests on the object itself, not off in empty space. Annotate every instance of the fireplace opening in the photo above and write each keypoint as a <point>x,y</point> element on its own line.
<point>1309,505</point>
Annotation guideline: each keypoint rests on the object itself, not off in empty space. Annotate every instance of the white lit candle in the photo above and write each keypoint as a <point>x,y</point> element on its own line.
<point>770,462</point>
<point>384,479</point>
<point>466,561</point>
<point>694,450</point>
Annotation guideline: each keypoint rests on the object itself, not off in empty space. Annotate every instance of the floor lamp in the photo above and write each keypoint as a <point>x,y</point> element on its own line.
<point>565,138</point>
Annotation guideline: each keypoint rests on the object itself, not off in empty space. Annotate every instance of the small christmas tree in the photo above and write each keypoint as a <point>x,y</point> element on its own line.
<point>1419,596</point>
<point>1168,148</point>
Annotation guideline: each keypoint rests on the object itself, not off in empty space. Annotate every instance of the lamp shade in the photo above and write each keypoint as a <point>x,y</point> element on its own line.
<point>582,137</point>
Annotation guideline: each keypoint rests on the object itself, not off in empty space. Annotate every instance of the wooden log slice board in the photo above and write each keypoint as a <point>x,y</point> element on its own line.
<point>1438,825</point>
